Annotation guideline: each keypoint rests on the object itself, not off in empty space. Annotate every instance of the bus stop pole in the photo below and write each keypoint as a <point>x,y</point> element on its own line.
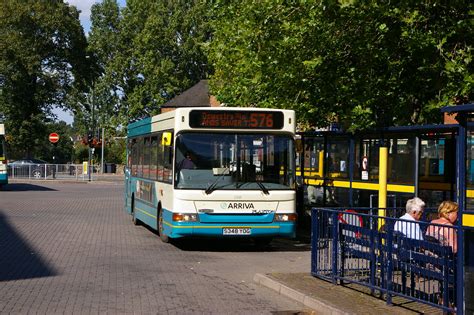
<point>417,165</point>
<point>383,157</point>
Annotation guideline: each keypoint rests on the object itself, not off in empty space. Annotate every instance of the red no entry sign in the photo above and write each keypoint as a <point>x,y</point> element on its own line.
<point>53,137</point>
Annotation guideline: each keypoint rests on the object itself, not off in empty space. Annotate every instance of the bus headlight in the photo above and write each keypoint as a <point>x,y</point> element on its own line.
<point>185,217</point>
<point>285,217</point>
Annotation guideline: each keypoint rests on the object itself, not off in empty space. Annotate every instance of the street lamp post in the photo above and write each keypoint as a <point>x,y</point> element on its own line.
<point>90,135</point>
<point>89,162</point>
<point>102,152</point>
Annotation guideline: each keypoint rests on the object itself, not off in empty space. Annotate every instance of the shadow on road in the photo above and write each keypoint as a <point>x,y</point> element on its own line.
<point>301,243</point>
<point>25,187</point>
<point>18,260</point>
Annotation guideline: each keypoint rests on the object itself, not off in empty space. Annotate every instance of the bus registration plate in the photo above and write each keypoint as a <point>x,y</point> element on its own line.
<point>236,231</point>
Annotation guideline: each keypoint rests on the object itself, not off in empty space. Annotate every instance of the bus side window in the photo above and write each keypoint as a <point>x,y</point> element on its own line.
<point>160,163</point>
<point>146,158</point>
<point>140,151</point>
<point>153,157</point>
<point>134,157</point>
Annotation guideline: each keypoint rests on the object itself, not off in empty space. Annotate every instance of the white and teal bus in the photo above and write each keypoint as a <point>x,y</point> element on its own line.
<point>239,180</point>
<point>3,158</point>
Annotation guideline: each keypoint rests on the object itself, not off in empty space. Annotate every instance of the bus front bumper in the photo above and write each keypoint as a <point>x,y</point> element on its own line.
<point>221,229</point>
<point>231,230</point>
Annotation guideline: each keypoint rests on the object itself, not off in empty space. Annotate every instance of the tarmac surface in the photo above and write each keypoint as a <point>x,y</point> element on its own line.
<point>318,296</point>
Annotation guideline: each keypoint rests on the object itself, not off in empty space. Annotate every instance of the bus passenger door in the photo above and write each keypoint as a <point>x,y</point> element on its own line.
<point>127,189</point>
<point>131,153</point>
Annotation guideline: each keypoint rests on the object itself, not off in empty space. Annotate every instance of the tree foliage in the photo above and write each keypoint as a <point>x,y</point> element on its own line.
<point>158,53</point>
<point>42,56</point>
<point>98,104</point>
<point>362,63</point>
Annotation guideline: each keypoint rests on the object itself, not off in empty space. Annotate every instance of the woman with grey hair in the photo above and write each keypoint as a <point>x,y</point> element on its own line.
<point>414,211</point>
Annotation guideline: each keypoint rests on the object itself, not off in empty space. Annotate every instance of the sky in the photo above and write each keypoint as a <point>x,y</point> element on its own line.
<point>85,7</point>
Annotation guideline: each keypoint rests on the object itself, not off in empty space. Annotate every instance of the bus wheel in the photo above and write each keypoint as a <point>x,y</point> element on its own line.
<point>164,238</point>
<point>134,218</point>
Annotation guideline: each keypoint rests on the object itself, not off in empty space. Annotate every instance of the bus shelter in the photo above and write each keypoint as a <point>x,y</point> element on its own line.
<point>433,162</point>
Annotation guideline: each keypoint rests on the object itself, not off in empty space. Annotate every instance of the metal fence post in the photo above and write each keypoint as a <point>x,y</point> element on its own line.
<point>314,240</point>
<point>389,234</point>
<point>335,243</point>
<point>373,258</point>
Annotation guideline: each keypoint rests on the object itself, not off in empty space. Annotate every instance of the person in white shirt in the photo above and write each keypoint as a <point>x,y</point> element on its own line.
<point>414,211</point>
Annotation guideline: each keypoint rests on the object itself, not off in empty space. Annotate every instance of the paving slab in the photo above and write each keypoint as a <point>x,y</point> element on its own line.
<point>326,298</point>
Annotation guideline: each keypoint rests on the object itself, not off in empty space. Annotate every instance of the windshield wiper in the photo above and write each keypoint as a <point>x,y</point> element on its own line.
<point>262,187</point>
<point>212,186</point>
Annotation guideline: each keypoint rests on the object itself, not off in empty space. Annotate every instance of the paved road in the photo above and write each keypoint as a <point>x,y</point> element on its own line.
<point>70,248</point>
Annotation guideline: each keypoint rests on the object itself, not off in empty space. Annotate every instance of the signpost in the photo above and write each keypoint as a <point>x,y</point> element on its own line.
<point>53,137</point>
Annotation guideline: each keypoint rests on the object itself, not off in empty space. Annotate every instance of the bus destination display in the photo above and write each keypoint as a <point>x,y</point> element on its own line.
<point>235,119</point>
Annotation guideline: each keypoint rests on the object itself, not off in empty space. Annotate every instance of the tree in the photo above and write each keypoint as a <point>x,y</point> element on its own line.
<point>42,56</point>
<point>97,106</point>
<point>363,63</point>
<point>160,53</point>
<point>103,43</point>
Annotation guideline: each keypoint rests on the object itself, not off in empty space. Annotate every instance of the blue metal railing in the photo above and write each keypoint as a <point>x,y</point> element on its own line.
<point>349,246</point>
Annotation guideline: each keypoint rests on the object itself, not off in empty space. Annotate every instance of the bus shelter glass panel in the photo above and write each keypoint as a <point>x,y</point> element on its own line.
<point>401,161</point>
<point>433,197</point>
<point>313,157</point>
<point>432,159</point>
<point>366,166</point>
<point>337,196</point>
<point>436,169</point>
<point>338,158</point>
<point>437,156</point>
<point>229,161</point>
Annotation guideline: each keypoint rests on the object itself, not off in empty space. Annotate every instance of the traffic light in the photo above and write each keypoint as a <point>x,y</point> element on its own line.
<point>90,139</point>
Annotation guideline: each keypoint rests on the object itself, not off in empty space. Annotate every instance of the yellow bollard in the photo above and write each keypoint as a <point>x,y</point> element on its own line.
<point>85,168</point>
<point>383,158</point>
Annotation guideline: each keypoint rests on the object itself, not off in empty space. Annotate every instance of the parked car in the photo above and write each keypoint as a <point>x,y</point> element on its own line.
<point>35,168</point>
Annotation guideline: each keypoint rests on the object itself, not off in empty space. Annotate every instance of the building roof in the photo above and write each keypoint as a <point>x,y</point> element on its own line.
<point>196,96</point>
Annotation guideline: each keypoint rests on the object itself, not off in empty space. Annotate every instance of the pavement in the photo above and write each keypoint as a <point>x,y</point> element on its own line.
<point>326,298</point>
<point>323,297</point>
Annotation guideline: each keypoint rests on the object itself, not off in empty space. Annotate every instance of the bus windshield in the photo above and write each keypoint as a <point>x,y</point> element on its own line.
<point>224,161</point>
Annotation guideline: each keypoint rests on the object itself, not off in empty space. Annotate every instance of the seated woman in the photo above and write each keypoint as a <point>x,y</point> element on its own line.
<point>442,229</point>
